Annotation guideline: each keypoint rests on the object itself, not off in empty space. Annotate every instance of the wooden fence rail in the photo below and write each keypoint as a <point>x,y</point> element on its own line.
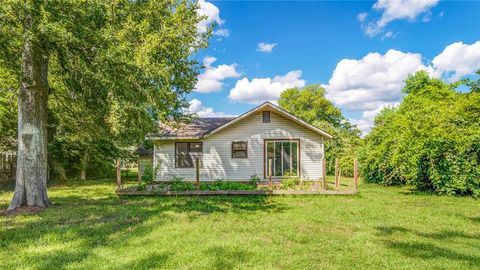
<point>8,167</point>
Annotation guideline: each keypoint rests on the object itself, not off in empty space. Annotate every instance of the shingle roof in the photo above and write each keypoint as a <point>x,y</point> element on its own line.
<point>203,127</point>
<point>197,128</point>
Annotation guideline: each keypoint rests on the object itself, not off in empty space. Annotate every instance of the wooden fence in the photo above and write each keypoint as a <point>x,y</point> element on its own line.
<point>8,167</point>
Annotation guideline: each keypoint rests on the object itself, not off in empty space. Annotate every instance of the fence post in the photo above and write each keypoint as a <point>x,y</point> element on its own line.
<point>197,173</point>
<point>355,173</point>
<point>337,173</point>
<point>270,184</point>
<point>119,174</point>
<point>324,174</point>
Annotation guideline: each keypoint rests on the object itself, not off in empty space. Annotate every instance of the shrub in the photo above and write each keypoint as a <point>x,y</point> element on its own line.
<point>226,185</point>
<point>291,180</point>
<point>254,179</point>
<point>431,140</point>
<point>178,184</point>
<point>147,176</point>
<point>142,186</point>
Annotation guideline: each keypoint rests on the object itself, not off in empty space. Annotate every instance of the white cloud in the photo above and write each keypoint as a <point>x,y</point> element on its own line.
<point>373,80</point>
<point>395,10</point>
<point>362,16</point>
<point>366,122</point>
<point>212,14</point>
<point>259,90</point>
<point>389,34</point>
<point>202,111</point>
<point>266,47</point>
<point>222,33</point>
<point>457,60</point>
<point>211,79</point>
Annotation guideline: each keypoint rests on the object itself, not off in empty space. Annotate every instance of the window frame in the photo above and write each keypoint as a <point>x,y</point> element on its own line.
<point>188,155</point>
<point>246,149</point>
<point>264,113</point>
<point>266,158</point>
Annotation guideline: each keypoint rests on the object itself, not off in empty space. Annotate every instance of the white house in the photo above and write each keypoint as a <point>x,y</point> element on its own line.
<point>237,148</point>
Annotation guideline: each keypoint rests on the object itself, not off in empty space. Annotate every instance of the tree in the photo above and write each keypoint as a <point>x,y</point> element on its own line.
<point>311,105</point>
<point>8,111</point>
<point>431,140</point>
<point>131,57</point>
<point>474,85</point>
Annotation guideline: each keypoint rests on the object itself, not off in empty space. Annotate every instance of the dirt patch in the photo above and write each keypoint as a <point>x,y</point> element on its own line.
<point>24,210</point>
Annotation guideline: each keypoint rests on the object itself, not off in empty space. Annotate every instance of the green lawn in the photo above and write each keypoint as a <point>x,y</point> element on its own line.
<point>382,227</point>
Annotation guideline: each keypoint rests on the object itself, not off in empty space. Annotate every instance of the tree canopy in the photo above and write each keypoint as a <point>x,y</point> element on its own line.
<point>431,140</point>
<point>98,75</point>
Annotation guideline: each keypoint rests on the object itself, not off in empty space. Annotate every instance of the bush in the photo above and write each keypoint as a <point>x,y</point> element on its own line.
<point>142,186</point>
<point>148,174</point>
<point>430,141</point>
<point>254,179</point>
<point>225,185</point>
<point>178,184</point>
<point>291,180</point>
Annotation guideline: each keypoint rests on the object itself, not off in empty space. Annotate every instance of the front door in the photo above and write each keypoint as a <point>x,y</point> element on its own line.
<point>284,157</point>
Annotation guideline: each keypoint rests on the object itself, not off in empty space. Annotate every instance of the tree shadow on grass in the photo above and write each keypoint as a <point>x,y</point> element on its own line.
<point>151,261</point>
<point>427,250</point>
<point>77,224</point>
<point>430,251</point>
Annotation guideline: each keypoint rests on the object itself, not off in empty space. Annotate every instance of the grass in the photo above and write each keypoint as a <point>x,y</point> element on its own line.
<point>88,227</point>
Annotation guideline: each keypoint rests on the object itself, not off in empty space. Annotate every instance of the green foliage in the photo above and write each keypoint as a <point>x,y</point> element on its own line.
<point>178,184</point>
<point>311,105</point>
<point>255,178</point>
<point>148,174</point>
<point>226,185</point>
<point>290,183</point>
<point>116,68</point>
<point>142,186</point>
<point>474,85</point>
<point>8,110</point>
<point>431,140</point>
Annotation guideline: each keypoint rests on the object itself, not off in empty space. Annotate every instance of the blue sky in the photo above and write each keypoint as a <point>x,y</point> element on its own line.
<point>359,51</point>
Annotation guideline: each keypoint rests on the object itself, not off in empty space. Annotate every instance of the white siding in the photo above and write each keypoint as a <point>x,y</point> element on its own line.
<point>217,161</point>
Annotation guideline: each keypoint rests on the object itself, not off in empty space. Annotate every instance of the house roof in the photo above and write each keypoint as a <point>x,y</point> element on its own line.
<point>143,151</point>
<point>193,130</point>
<point>203,127</point>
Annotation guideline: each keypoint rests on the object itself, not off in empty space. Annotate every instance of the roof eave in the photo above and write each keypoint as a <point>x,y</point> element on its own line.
<point>172,138</point>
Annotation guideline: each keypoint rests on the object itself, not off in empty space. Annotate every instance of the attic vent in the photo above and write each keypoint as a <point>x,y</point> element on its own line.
<point>266,116</point>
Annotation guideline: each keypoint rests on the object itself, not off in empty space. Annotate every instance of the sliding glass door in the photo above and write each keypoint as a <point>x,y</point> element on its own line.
<point>283,155</point>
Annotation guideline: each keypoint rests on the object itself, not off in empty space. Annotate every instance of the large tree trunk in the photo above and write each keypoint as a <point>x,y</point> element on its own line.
<point>31,182</point>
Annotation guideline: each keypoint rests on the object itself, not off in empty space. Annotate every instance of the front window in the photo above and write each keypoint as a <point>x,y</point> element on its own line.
<point>186,152</point>
<point>283,155</point>
<point>239,150</point>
